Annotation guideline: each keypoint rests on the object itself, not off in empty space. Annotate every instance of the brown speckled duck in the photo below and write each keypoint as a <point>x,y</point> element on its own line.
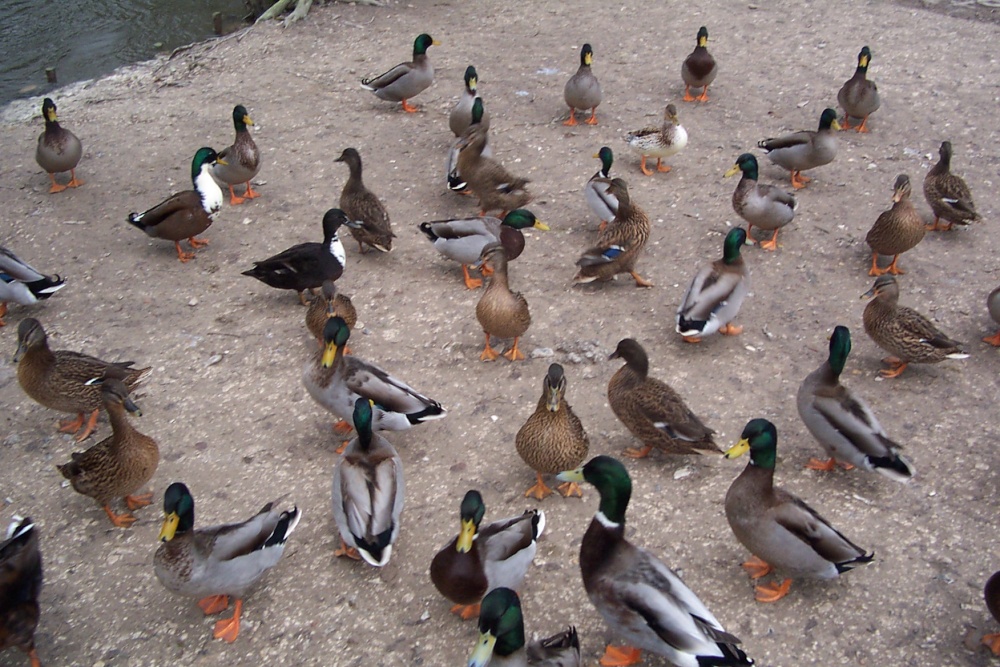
<point>947,194</point>
<point>501,312</point>
<point>620,244</point>
<point>897,230</point>
<point>119,465</point>
<point>698,70</point>
<point>496,188</point>
<point>583,90</point>
<point>240,161</point>
<point>363,207</point>
<point>20,586</point>
<point>405,80</point>
<point>858,97</point>
<point>58,149</point>
<point>330,303</point>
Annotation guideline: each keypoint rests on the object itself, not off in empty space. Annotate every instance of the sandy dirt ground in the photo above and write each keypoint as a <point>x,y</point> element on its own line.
<point>233,421</point>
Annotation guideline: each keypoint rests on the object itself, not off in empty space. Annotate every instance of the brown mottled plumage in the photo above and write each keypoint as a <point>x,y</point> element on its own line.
<point>501,313</point>
<point>58,149</point>
<point>947,194</point>
<point>496,188</point>
<point>20,585</point>
<point>240,161</point>
<point>897,230</point>
<point>620,244</point>
<point>331,303</point>
<point>363,206</point>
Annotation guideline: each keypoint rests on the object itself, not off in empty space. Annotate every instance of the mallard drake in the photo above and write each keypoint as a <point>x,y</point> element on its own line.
<point>714,297</point>
<point>765,206</point>
<point>659,142</point>
<point>947,194</point>
<point>501,312</point>
<point>858,97</point>
<point>553,439</point>
<point>638,596</point>
<point>992,595</point>
<point>619,245</point>
<point>60,380</point>
<point>496,187</point>
<point>501,638</point>
<point>20,585</point>
<point>804,149</point>
<point>897,230</point>
<point>330,304</point>
<point>22,283</point>
<point>479,560</point>
<point>367,492</point>
<point>405,80</point>
<point>602,203</point>
<point>843,422</point>
<point>461,114</point>
<point>58,149</point>
<point>993,305</point>
<point>651,410</point>
<point>698,70</point>
<point>456,183</point>
<point>363,207</point>
<point>188,213</point>
<point>306,266</point>
<point>119,465</point>
<point>903,332</point>
<point>778,528</point>
<point>241,161</point>
<point>216,563</point>
<point>463,239</point>
<point>583,90</point>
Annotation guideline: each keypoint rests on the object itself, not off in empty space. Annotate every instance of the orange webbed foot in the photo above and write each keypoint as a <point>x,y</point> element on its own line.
<point>488,354</point>
<point>704,95</point>
<point>593,117</point>
<point>340,450</point>
<point>993,340</point>
<point>642,166</point>
<point>89,427</point>
<point>56,187</point>
<point>572,118</point>
<point>342,427</point>
<point>570,489</point>
<point>409,108</point>
<point>234,199</point>
<point>798,180</point>
<point>539,491</point>
<point>119,520</point>
<point>845,124</point>
<point>347,552</point>
<point>757,568</point>
<point>250,193</point>
<point>824,466</point>
<point>514,354</point>
<point>639,280</point>
<point>772,592</point>
<point>184,257</point>
<point>71,425</point>
<point>135,502</point>
<point>197,243</point>
<point>690,339</point>
<point>687,95</point>
<point>731,330</point>
<point>637,452</point>
<point>3,311</point>
<point>895,369</point>
<point>621,656</point>
<point>74,182</point>
<point>228,629</point>
<point>662,168</point>
<point>470,282</point>
<point>993,641</point>
<point>213,604</point>
<point>466,611</point>
<point>863,128</point>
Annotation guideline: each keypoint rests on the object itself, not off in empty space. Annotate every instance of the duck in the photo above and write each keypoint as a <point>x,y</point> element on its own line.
<point>22,283</point>
<point>406,80</point>
<point>601,202</point>
<point>240,161</point>
<point>58,149</point>
<point>948,195</point>
<point>119,465</point>
<point>501,312</point>
<point>619,245</point>
<point>716,293</point>
<point>496,188</point>
<point>803,150</point>
<point>306,266</point>
<point>636,594</point>
<point>651,410</point>
<point>699,69</point>
<point>553,438</point>
<point>843,422</point>
<point>219,562</point>
<point>992,595</point>
<point>779,529</point>
<point>60,380</point>
<point>993,306</point>
<point>478,116</point>
<point>363,207</point>
<point>463,239</point>
<point>20,586</point>
<point>583,90</point>
<point>659,142</point>
<point>765,206</point>
<point>903,332</point>
<point>186,214</point>
<point>331,303</point>
<point>461,114</point>
<point>481,559</point>
<point>858,97</point>
<point>501,637</point>
<point>897,230</point>
<point>368,492</point>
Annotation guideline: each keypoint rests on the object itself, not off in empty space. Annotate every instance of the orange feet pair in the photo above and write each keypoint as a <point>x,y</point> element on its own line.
<point>235,200</point>
<point>757,568</point>
<point>466,611</point>
<point>798,180</point>
<point>74,426</point>
<point>659,167</point>
<point>827,466</point>
<point>621,656</point>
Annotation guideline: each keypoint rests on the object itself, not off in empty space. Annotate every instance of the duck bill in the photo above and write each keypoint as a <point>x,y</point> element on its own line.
<point>329,354</point>
<point>869,294</point>
<point>541,226</point>
<point>484,650</point>
<point>835,125</point>
<point>739,449</point>
<point>19,352</point>
<point>732,170</point>
<point>465,537</point>
<point>219,160</point>
<point>571,475</point>
<point>169,528</point>
<point>247,121</point>
<point>132,407</point>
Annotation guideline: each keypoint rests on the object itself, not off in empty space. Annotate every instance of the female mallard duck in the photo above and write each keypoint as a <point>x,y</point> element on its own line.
<point>651,410</point>
<point>188,213</point>
<point>461,113</point>
<point>765,206</point>
<point>363,206</point>
<point>463,239</point>
<point>992,595</point>
<point>619,245</point>
<point>779,529</point>
<point>496,187</point>
<point>501,638</point>
<point>216,563</point>
<point>307,266</point>
<point>858,97</point>
<point>659,142</point>
<point>602,203</point>
<point>22,283</point>
<point>330,304</point>
<point>478,560</point>
<point>843,423</point>
<point>405,80</point>
<point>119,465</point>
<point>993,305</point>
<point>501,312</point>
<point>20,585</point>
<point>58,149</point>
<point>456,183</point>
<point>804,150</point>
<point>947,194</point>
<point>698,69</point>
<point>367,492</point>
<point>638,596</point>
<point>897,230</point>
<point>61,380</point>
<point>903,332</point>
<point>714,297</point>
<point>553,439</point>
<point>241,161</point>
<point>583,90</point>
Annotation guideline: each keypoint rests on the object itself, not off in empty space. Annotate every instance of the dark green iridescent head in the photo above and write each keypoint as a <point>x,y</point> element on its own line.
<point>763,440</point>
<point>471,79</point>
<point>735,239</point>
<point>241,118</point>
<point>473,508</point>
<point>363,421</point>
<point>607,159</point>
<point>477,111</point>
<point>204,156</point>
<point>840,347</point>
<point>422,43</point>
<point>501,626</point>
<point>177,499</point>
<point>611,480</point>
<point>828,120</point>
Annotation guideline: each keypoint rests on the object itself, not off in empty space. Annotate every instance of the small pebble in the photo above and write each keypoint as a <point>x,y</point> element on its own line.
<point>193,302</point>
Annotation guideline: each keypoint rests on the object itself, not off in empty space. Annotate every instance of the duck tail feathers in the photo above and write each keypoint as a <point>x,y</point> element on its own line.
<point>896,468</point>
<point>285,527</point>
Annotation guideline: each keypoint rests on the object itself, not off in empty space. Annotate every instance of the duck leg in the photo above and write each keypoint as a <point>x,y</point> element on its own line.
<point>346,552</point>
<point>771,245</point>
<point>731,330</point>
<point>875,270</point>
<point>35,662</point>
<point>757,568</point>
<point>514,354</point>
<point>593,117</point>
<point>894,371</point>
<point>234,199</point>
<point>938,226</point>
<point>56,187</point>
<point>74,425</point>
<point>824,466</point>
<point>687,94</point>
<point>863,128</point>
<point>993,340</point>
<point>704,95</point>
<point>197,243</point>
<point>250,193</point>
<point>662,167</point>
<point>846,123</point>
<point>342,427</point>
<point>621,656</point>
<point>798,180</point>
<point>572,117</point>
<point>993,641</point>
<point>539,491</point>
<point>470,282</point>
<point>343,446</point>
<point>213,604</point>
<point>488,354</point>
<point>185,257</point>
<point>119,520</point>
<point>639,280</point>
<point>772,592</point>
<point>893,269</point>
<point>642,165</point>
<point>135,502</point>
<point>638,452</point>
<point>466,611</point>
<point>570,489</point>
<point>409,108</point>
<point>3,311</point>
<point>73,181</point>
<point>229,628</point>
